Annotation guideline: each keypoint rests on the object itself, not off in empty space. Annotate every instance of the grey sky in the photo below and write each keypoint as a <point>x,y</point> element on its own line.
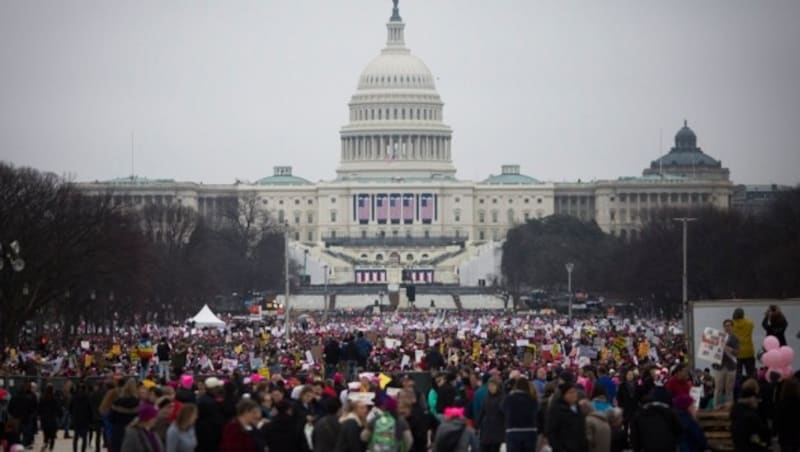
<point>226,89</point>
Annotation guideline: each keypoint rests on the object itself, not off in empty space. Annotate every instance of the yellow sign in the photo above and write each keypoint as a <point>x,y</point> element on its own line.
<point>264,372</point>
<point>238,349</point>
<point>384,380</point>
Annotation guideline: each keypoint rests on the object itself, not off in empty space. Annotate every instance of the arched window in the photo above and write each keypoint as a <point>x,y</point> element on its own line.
<point>409,257</point>
<point>379,257</point>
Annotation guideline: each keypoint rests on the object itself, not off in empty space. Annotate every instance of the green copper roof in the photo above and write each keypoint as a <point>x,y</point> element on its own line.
<point>137,180</point>
<point>510,179</point>
<point>283,180</point>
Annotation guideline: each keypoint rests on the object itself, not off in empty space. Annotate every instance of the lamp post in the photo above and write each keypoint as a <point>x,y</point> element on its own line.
<point>305,263</point>
<point>287,305</point>
<point>685,279</point>
<point>569,266</point>
<point>325,293</point>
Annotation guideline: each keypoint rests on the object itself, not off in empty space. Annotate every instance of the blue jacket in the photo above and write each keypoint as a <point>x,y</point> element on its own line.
<point>477,399</point>
<point>692,439</point>
<point>610,387</point>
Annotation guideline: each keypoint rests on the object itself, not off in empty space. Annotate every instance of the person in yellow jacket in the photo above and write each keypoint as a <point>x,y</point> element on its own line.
<point>743,330</point>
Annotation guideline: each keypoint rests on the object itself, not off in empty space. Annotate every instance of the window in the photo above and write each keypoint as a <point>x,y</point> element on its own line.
<point>333,216</point>
<point>623,197</point>
<point>409,257</point>
<point>364,256</point>
<point>297,219</point>
<point>511,201</point>
<point>310,201</point>
<point>296,201</point>
<point>684,197</point>
<point>310,218</point>
<point>481,217</point>
<point>510,216</point>
<point>408,234</point>
<point>297,236</point>
<point>527,201</point>
<point>480,201</point>
<point>395,233</point>
<point>458,199</point>
<point>363,234</point>
<point>457,216</point>
<point>527,216</point>
<point>280,202</point>
<point>494,201</point>
<point>379,257</point>
<point>333,200</point>
<point>281,218</point>
<point>427,234</point>
<point>264,201</point>
<point>494,216</point>
<point>539,200</point>
<point>382,234</point>
<point>333,234</point>
<point>424,256</point>
<point>481,235</point>
<point>310,236</point>
<point>613,215</point>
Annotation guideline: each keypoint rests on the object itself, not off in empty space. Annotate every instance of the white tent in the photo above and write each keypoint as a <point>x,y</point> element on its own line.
<point>206,318</point>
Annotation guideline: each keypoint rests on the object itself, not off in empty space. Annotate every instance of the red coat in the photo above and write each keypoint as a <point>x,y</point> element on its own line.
<point>678,387</point>
<point>236,439</point>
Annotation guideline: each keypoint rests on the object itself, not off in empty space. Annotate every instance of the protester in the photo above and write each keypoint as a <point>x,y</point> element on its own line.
<point>181,435</point>
<point>82,414</point>
<point>743,330</point>
<point>139,436</point>
<point>491,420</point>
<point>210,419</point>
<point>124,409</point>
<point>352,423</point>
<point>656,427</point>
<point>775,324</point>
<point>749,431</point>
<point>237,435</point>
<point>786,413</point>
<point>598,431</point>
<point>520,409</point>
<point>566,425</point>
<point>326,429</point>
<point>726,371</point>
<point>454,435</point>
<point>692,437</point>
<point>49,414</point>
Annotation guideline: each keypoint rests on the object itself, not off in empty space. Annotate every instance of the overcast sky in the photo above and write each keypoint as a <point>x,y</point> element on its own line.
<point>219,90</point>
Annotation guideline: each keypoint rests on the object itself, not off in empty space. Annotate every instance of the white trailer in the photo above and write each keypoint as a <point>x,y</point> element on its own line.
<point>711,313</point>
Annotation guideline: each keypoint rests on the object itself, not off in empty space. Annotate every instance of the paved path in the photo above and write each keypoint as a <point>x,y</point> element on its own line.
<point>62,445</point>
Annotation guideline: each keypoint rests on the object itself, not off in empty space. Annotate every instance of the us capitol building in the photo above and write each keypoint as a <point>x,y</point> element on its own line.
<point>396,203</point>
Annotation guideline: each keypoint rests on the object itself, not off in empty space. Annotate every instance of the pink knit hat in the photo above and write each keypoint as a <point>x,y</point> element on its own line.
<point>187,381</point>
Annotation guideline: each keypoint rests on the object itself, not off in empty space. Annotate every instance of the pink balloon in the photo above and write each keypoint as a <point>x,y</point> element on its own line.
<point>787,372</point>
<point>772,359</point>
<point>787,354</point>
<point>771,343</point>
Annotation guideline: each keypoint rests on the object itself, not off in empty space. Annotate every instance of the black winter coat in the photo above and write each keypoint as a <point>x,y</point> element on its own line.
<point>566,428</point>
<point>786,413</point>
<point>80,410</point>
<point>750,433</point>
<point>350,437</point>
<point>284,435</point>
<point>23,406</point>
<point>326,431</point>
<point>520,410</point>
<point>209,425</point>
<point>656,429</point>
<point>49,414</point>
<point>491,420</point>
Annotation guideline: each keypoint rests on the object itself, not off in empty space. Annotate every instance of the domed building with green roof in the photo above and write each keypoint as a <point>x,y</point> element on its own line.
<point>687,160</point>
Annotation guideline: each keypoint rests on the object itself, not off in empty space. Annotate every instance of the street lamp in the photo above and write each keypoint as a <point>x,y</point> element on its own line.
<point>569,266</point>
<point>305,263</point>
<point>325,292</point>
<point>685,299</point>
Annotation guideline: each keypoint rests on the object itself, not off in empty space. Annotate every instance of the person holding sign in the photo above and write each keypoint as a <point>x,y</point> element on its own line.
<point>725,372</point>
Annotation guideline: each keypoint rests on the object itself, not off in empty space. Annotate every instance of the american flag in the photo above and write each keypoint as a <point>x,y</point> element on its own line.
<point>426,207</point>
<point>394,208</point>
<point>408,208</point>
<point>363,209</point>
<point>381,207</point>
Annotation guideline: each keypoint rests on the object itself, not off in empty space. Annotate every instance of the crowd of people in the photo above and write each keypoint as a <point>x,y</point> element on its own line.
<point>408,382</point>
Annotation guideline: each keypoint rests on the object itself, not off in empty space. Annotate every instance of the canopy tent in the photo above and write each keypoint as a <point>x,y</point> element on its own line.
<point>206,318</point>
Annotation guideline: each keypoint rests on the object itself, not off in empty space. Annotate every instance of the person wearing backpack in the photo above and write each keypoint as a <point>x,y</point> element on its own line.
<point>387,432</point>
<point>453,435</point>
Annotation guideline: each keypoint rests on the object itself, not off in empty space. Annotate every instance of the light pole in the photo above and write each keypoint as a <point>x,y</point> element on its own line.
<point>305,264</point>
<point>325,293</point>
<point>569,266</point>
<point>685,299</point>
<point>287,306</point>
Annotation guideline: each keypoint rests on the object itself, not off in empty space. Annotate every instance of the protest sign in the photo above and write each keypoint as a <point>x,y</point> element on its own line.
<point>712,345</point>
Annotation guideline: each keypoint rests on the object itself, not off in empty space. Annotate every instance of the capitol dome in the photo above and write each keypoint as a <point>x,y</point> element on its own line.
<point>396,128</point>
<point>396,70</point>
